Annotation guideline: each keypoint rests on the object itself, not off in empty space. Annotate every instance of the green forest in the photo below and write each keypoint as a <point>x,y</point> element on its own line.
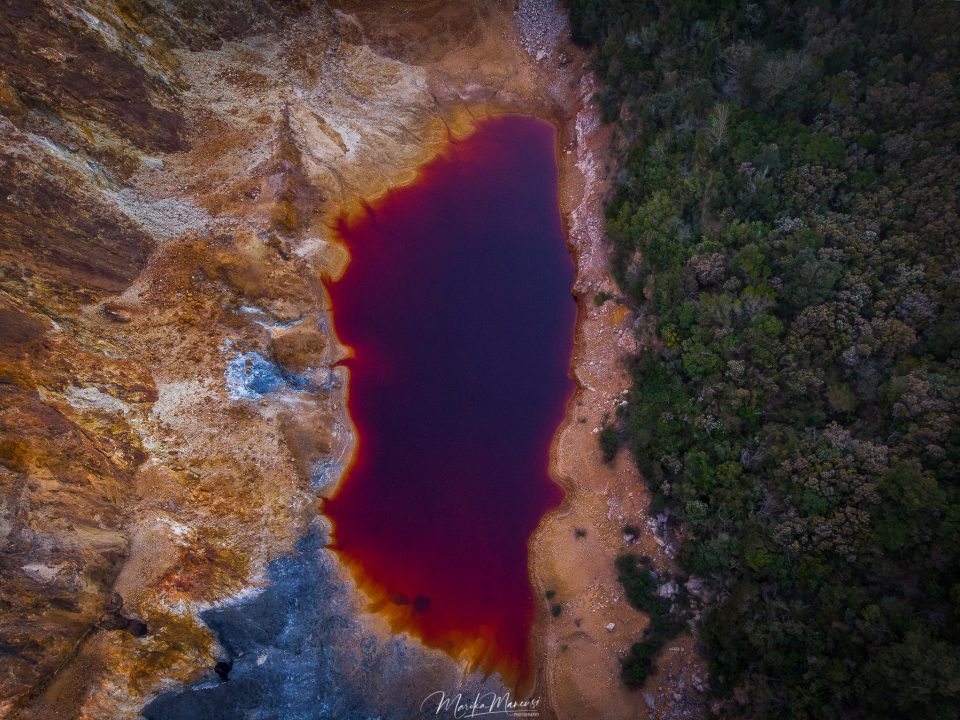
<point>786,208</point>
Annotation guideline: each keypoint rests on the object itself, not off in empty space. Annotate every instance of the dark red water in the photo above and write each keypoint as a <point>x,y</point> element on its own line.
<point>457,307</point>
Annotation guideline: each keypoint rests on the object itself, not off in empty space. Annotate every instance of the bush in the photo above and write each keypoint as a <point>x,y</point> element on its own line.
<point>609,442</point>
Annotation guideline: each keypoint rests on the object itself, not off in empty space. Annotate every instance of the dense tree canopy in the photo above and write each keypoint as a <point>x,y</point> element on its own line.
<point>787,208</point>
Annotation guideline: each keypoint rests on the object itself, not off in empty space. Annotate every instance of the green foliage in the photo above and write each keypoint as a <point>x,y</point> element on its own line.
<point>666,614</point>
<point>609,442</point>
<point>788,202</point>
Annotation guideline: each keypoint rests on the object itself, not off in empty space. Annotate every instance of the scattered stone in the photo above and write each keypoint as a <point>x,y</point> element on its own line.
<point>116,314</point>
<point>541,24</point>
<point>42,573</point>
<point>611,627</point>
<point>667,590</point>
<point>694,586</point>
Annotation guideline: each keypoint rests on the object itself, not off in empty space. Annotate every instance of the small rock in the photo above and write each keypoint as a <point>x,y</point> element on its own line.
<point>667,590</point>
<point>117,314</point>
<point>611,626</point>
<point>42,573</point>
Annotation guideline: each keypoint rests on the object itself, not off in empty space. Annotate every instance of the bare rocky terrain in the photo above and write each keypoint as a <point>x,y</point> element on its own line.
<point>170,409</point>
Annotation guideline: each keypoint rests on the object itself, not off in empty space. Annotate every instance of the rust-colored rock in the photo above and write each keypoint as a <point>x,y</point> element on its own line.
<point>61,58</point>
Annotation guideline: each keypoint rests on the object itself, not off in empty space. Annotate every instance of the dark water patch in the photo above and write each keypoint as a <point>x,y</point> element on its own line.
<point>457,307</point>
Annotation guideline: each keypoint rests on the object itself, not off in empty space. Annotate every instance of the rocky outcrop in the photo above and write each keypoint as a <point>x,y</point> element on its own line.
<point>66,66</point>
<point>170,410</point>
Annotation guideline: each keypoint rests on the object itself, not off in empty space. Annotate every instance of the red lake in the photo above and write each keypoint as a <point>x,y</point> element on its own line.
<point>457,309</point>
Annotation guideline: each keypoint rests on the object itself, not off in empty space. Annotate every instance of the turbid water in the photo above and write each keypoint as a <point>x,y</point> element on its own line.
<point>457,308</point>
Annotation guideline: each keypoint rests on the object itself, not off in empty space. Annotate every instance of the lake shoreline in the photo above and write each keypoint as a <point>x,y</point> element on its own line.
<point>203,369</point>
